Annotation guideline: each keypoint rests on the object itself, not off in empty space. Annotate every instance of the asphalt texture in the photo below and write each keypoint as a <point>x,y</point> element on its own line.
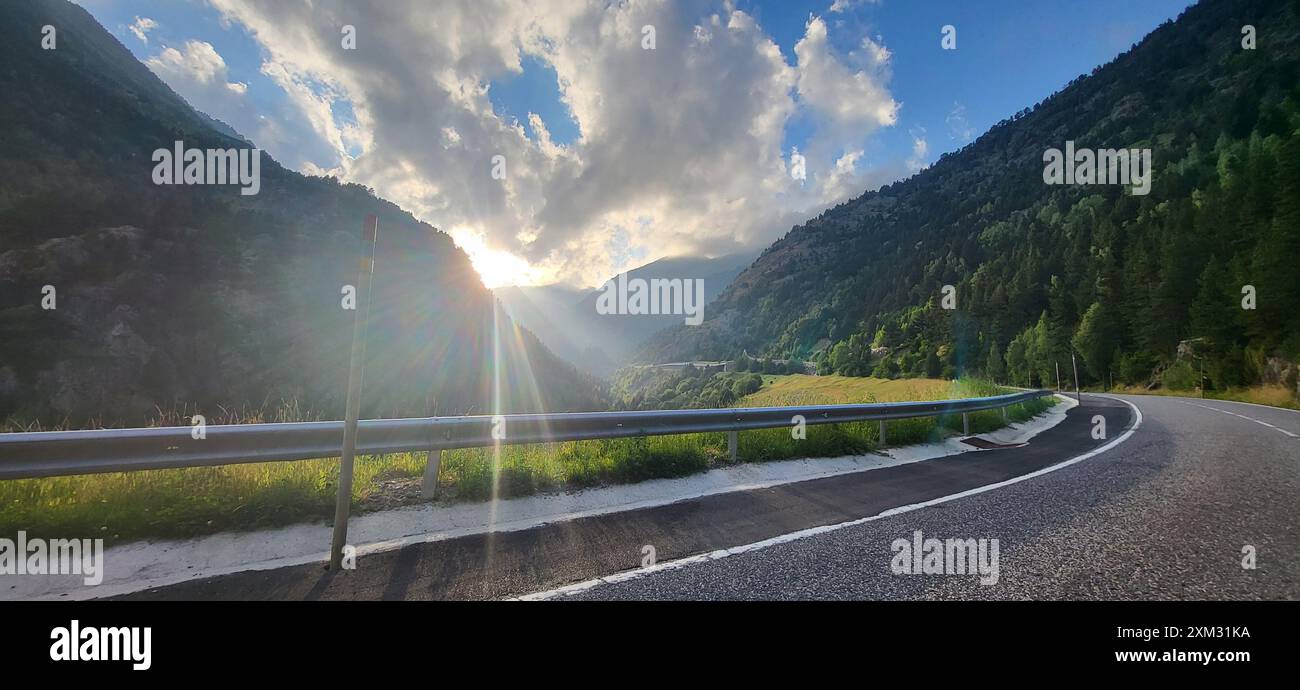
<point>1030,519</point>
<point>1168,514</point>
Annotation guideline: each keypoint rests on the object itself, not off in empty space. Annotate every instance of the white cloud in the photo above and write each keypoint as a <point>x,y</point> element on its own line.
<point>680,148</point>
<point>958,127</point>
<point>141,28</point>
<point>851,100</point>
<point>920,150</point>
<point>840,6</point>
<point>198,62</point>
<point>877,55</point>
<point>314,102</point>
<point>295,131</point>
<point>840,182</point>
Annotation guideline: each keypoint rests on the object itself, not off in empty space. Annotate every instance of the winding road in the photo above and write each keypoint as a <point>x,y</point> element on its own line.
<point>1168,505</point>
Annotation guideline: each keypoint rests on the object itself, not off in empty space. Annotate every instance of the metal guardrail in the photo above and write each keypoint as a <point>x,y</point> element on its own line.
<point>60,453</point>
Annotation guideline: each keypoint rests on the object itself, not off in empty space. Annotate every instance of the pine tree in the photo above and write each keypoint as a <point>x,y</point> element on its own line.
<point>1215,311</point>
<point>1017,363</point>
<point>1095,340</point>
<point>933,367</point>
<point>1273,271</point>
<point>994,366</point>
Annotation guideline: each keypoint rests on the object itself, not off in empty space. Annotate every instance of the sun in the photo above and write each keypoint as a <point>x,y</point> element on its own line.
<point>495,268</point>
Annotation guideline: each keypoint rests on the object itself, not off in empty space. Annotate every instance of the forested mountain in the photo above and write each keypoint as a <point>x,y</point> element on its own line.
<point>1039,268</point>
<point>199,296</point>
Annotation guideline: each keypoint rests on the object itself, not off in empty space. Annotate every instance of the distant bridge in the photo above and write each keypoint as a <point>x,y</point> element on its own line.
<point>809,368</point>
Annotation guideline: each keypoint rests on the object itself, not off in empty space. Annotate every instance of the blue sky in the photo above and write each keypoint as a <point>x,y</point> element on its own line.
<point>1010,54</point>
<point>655,169</point>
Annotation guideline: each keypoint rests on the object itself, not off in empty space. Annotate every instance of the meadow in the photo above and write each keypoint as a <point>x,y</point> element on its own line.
<point>187,502</point>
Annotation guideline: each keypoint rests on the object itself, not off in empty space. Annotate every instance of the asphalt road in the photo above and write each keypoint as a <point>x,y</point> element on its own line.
<point>509,564</point>
<point>1163,515</point>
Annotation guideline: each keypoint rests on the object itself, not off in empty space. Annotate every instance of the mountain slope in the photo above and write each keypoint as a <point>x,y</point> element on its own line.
<point>1040,268</point>
<point>550,312</point>
<point>567,321</point>
<point>176,296</point>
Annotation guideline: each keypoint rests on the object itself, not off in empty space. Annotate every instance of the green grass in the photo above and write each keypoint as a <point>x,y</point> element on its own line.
<point>799,389</point>
<point>189,502</point>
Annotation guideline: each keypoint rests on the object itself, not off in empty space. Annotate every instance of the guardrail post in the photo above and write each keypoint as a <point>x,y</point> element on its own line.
<point>355,368</point>
<point>882,433</point>
<point>433,459</point>
<point>1004,414</point>
<point>733,446</point>
<point>965,424</point>
<point>1078,397</point>
<point>431,467</point>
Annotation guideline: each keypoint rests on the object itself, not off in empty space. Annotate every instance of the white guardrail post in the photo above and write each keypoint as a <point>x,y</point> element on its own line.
<point>429,487</point>
<point>356,368</point>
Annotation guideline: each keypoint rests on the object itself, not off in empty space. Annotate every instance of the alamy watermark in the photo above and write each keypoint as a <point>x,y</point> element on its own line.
<point>182,166</point>
<point>921,556</point>
<point>38,556</point>
<point>92,643</point>
<point>1103,166</point>
<point>638,296</point>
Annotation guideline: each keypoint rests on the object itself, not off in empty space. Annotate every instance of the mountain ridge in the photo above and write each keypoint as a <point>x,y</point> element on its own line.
<point>170,297</point>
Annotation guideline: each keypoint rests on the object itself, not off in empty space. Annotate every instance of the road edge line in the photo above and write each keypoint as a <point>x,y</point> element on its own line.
<point>1260,422</point>
<point>627,575</point>
<point>1234,402</point>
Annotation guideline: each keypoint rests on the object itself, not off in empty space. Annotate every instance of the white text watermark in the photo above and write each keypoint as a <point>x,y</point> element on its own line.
<point>38,556</point>
<point>183,166</point>
<point>1130,167</point>
<point>638,296</point>
<point>921,556</point>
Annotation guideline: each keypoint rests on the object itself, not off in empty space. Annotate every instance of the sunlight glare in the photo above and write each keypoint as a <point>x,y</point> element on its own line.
<point>495,268</point>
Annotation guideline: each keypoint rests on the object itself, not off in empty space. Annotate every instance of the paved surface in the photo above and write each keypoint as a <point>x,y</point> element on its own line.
<point>515,563</point>
<point>1164,515</point>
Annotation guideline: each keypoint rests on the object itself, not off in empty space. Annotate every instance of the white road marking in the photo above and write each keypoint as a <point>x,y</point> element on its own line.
<point>624,576</point>
<point>1249,419</point>
<point>145,565</point>
<point>1238,402</point>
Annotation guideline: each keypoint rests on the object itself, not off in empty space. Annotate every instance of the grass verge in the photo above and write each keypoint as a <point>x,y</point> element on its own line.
<point>189,502</point>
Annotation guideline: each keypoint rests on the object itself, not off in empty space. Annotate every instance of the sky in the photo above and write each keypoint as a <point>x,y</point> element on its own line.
<point>569,140</point>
